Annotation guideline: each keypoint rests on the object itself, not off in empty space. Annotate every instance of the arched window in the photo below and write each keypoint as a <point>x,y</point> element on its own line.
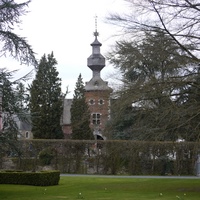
<point>27,134</point>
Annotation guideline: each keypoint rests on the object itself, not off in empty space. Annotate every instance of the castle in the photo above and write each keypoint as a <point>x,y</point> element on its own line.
<point>97,93</point>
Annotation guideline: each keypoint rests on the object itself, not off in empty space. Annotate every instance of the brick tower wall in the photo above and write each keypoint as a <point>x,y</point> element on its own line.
<point>98,102</point>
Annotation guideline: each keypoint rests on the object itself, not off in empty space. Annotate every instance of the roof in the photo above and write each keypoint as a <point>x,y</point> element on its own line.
<point>96,83</point>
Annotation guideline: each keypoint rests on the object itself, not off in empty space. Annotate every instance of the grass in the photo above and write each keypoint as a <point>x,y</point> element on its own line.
<point>97,188</point>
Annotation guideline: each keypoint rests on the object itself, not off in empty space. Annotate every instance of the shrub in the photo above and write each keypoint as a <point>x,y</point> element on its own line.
<point>46,156</point>
<point>44,178</point>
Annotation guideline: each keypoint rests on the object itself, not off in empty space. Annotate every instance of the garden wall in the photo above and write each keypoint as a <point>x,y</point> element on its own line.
<point>108,157</point>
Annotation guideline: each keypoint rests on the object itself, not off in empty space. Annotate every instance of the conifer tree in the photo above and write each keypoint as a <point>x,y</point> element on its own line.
<point>13,93</point>
<point>12,44</point>
<point>80,115</point>
<point>13,101</point>
<point>46,100</point>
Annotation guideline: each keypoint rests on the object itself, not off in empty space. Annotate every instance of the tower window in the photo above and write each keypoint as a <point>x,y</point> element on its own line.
<point>96,118</point>
<point>101,101</point>
<point>91,101</point>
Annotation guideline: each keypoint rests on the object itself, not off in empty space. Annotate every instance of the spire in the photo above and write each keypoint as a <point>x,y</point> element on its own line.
<point>96,32</point>
<point>96,62</point>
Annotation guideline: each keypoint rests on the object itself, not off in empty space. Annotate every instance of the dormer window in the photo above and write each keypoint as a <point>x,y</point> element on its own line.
<point>96,84</point>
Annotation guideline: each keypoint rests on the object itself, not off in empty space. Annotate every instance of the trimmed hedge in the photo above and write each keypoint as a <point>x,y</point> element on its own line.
<point>111,157</point>
<point>44,178</point>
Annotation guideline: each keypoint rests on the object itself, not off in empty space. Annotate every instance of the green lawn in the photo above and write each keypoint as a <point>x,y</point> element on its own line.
<point>93,188</point>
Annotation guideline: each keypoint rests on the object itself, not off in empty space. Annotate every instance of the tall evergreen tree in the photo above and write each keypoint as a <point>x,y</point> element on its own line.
<point>12,109</point>
<point>80,115</point>
<point>46,100</point>
<point>11,43</point>
<point>11,90</point>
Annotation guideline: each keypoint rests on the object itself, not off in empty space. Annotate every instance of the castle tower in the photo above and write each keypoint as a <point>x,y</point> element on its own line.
<point>97,91</point>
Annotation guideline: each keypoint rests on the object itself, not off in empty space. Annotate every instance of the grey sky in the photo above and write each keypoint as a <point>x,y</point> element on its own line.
<point>66,28</point>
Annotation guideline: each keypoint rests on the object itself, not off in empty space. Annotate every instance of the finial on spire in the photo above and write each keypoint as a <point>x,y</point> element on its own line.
<point>96,33</point>
<point>95,23</point>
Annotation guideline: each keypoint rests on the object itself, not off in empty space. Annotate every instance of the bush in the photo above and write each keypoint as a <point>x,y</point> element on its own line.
<point>44,178</point>
<point>46,156</point>
<point>25,164</point>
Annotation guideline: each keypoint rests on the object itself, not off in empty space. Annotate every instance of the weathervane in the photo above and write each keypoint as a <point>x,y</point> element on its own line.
<point>96,33</point>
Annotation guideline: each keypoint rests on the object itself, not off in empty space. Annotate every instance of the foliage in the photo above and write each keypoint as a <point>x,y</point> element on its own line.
<point>14,98</point>
<point>16,46</point>
<point>26,164</point>
<point>157,78</point>
<point>177,19</point>
<point>46,155</point>
<point>80,115</point>
<point>178,113</point>
<point>114,157</point>
<point>46,102</point>
<point>13,109</point>
<point>45,178</point>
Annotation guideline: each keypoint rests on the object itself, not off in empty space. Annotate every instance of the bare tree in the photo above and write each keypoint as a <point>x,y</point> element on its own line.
<point>159,98</point>
<point>156,78</point>
<point>180,19</point>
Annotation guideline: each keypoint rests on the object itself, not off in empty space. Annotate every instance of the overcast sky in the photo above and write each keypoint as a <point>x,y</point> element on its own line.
<point>66,28</point>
